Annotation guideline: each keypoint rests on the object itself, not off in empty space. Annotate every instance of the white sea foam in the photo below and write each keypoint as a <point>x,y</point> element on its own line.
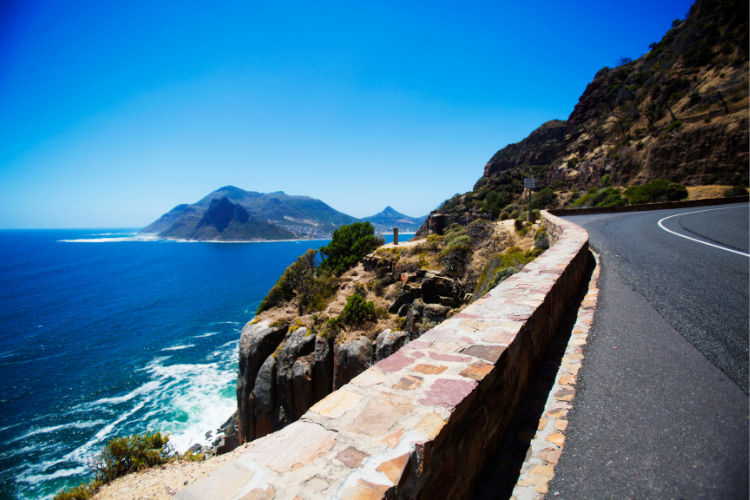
<point>35,478</point>
<point>146,388</point>
<point>178,347</point>
<point>204,335</point>
<point>84,452</point>
<point>53,428</point>
<point>112,239</point>
<point>183,400</point>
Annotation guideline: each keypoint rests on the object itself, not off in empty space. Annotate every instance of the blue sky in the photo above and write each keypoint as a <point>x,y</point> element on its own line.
<point>113,112</point>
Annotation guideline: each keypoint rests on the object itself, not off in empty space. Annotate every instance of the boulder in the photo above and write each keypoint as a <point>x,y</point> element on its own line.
<point>351,359</point>
<point>302,386</point>
<point>404,297</point>
<point>413,317</point>
<point>264,397</point>
<point>435,312</point>
<point>435,286</point>
<point>388,342</point>
<point>322,368</point>
<point>298,343</point>
<point>257,342</point>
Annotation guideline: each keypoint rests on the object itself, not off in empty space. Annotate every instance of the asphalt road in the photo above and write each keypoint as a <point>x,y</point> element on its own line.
<point>661,409</point>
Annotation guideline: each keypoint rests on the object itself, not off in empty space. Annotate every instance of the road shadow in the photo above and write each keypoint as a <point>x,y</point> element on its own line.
<point>500,474</point>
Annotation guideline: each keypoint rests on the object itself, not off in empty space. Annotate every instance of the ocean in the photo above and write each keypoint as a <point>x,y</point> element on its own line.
<point>103,335</point>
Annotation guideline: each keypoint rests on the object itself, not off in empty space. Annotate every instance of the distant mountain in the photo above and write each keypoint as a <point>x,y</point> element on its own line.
<point>389,218</point>
<point>231,213</point>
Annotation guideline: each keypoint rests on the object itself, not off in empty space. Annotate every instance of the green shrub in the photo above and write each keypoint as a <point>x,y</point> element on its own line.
<point>120,456</point>
<point>81,492</point>
<point>544,198</point>
<point>501,266</point>
<point>737,190</point>
<point>456,250</point>
<point>434,242</point>
<point>604,197</point>
<point>673,126</point>
<point>347,247</point>
<point>504,215</point>
<point>518,224</point>
<point>357,311</point>
<point>541,240</point>
<point>300,271</point>
<point>657,190</point>
<point>123,455</point>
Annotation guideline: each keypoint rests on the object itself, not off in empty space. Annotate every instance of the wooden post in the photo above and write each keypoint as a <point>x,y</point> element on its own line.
<point>395,236</point>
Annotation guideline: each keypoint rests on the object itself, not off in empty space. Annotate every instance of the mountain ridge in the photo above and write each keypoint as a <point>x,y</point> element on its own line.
<point>230,213</point>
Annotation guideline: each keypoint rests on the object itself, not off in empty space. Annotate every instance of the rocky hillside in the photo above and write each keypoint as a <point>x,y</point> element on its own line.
<point>231,213</point>
<point>317,329</point>
<point>679,113</point>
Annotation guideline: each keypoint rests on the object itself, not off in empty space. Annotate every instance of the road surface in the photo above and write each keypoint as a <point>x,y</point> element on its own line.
<point>661,409</point>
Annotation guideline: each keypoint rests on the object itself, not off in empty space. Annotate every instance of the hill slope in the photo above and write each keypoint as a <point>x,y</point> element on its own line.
<point>680,112</point>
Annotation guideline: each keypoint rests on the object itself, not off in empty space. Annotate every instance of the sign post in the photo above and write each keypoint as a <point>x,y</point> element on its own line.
<point>529,183</point>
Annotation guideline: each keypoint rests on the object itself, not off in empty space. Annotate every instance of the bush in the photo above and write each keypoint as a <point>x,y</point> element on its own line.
<point>737,190</point>
<point>347,247</point>
<point>541,240</point>
<point>81,492</point>
<point>120,456</point>
<point>357,311</point>
<point>123,455</point>
<point>604,197</point>
<point>502,266</point>
<point>657,190</point>
<point>518,224</point>
<point>544,198</point>
<point>674,125</point>
<point>312,286</point>
<point>456,250</point>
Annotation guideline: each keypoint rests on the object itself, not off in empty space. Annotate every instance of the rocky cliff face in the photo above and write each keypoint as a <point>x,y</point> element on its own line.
<point>290,360</point>
<point>285,369</point>
<point>680,112</point>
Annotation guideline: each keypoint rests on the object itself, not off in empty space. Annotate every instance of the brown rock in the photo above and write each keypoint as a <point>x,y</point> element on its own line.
<point>477,371</point>
<point>429,369</point>
<point>364,490</point>
<point>352,457</point>
<point>394,468</point>
<point>408,383</point>
<point>381,414</point>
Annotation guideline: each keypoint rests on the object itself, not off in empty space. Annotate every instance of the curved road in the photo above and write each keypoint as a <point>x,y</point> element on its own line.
<point>661,409</point>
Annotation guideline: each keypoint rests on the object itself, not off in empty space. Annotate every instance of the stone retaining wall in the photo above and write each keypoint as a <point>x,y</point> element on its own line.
<point>419,423</point>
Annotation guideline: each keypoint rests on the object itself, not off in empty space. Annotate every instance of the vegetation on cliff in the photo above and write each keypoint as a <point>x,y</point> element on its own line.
<point>305,343</point>
<point>121,456</point>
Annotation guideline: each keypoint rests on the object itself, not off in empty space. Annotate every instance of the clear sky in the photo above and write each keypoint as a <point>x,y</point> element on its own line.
<point>111,113</point>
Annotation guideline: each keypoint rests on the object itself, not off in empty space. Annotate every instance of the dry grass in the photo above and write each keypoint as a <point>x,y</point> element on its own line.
<point>706,192</point>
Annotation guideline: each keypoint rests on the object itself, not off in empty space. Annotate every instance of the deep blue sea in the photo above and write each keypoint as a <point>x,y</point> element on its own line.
<point>103,335</point>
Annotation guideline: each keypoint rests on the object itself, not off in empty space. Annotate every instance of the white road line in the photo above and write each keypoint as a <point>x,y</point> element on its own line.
<point>695,239</point>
